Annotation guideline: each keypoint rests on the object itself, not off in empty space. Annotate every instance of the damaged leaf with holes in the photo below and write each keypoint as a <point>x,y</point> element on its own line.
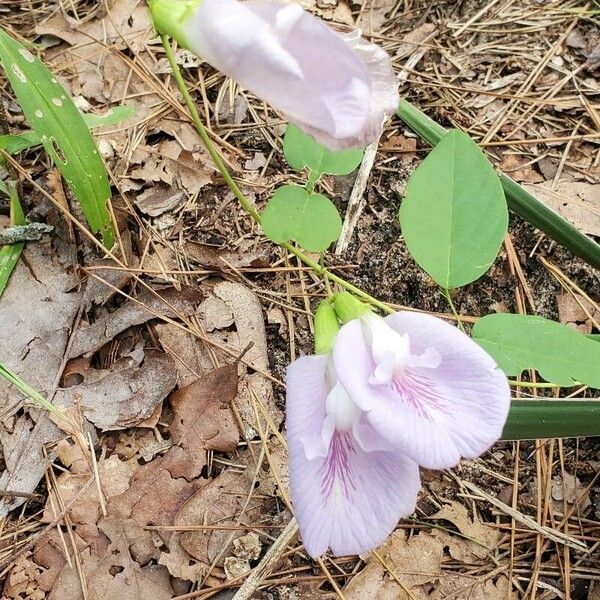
<point>63,132</point>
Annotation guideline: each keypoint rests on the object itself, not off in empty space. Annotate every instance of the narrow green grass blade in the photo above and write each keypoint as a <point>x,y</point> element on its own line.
<point>28,139</point>
<point>35,396</point>
<point>519,200</point>
<point>535,419</point>
<point>64,134</point>
<point>9,255</point>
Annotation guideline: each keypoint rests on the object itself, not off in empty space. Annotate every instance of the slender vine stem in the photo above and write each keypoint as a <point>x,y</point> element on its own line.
<point>320,270</point>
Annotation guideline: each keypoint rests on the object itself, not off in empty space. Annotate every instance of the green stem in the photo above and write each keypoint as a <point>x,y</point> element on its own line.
<point>244,202</point>
<point>448,297</point>
<point>535,419</point>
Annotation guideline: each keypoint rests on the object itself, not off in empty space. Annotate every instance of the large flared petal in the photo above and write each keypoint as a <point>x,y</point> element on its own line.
<point>435,415</point>
<point>338,91</point>
<point>348,499</point>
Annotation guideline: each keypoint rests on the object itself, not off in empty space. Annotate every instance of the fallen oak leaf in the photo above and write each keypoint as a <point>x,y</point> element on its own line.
<point>203,419</point>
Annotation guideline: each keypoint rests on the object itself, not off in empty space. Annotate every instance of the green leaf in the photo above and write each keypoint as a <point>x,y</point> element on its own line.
<point>295,214</point>
<point>302,151</point>
<point>110,117</point>
<point>64,134</point>
<point>17,143</point>
<point>9,255</point>
<point>535,419</point>
<point>560,354</point>
<point>454,215</point>
<point>518,199</point>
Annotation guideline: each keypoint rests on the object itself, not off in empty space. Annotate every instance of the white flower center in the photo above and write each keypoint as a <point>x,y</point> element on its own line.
<point>341,411</point>
<point>391,351</point>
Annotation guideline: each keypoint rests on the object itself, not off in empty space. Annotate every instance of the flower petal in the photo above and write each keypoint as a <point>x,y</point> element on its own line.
<point>350,500</point>
<point>435,415</point>
<point>276,51</point>
<point>305,405</point>
<point>347,499</point>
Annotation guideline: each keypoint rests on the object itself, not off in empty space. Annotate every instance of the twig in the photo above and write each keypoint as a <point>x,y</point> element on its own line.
<point>265,566</point>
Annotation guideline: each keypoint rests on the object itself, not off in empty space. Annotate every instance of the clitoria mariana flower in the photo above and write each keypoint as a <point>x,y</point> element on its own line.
<point>392,394</point>
<point>338,88</point>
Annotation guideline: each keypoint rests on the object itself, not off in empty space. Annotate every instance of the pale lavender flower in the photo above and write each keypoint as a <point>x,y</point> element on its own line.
<point>338,88</point>
<point>393,394</point>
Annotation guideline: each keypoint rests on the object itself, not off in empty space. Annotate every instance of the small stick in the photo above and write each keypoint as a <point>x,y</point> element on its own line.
<point>264,567</point>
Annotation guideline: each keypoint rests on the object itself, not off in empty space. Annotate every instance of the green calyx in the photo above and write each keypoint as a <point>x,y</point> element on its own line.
<point>349,307</point>
<point>326,327</point>
<point>169,16</point>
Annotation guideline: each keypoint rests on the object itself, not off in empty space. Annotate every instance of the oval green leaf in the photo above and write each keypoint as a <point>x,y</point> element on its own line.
<point>560,354</point>
<point>454,216</point>
<point>302,151</point>
<point>63,132</point>
<point>312,220</point>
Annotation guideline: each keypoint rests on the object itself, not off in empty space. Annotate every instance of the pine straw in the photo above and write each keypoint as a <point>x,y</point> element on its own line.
<point>550,110</point>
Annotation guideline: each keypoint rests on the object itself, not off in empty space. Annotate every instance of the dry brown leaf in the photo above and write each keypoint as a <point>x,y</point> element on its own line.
<point>215,257</point>
<point>480,538</point>
<point>203,419</point>
<point>126,23</point>
<point>37,310</point>
<point>190,355</point>
<point>571,312</point>
<point>415,561</point>
<point>219,503</point>
<point>169,302</point>
<point>250,327</point>
<point>180,563</point>
<point>517,167</point>
<point>125,395</point>
<point>154,496</point>
<point>118,575</point>
<point>22,581</point>
<point>157,200</point>
<point>472,587</point>
<point>578,202</point>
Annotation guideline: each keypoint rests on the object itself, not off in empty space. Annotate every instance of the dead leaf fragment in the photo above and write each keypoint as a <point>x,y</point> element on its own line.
<point>169,302</point>
<point>125,395</point>
<point>218,503</point>
<point>203,419</point>
<point>578,202</point>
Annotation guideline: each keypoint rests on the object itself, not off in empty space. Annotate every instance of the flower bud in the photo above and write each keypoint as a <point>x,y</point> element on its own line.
<point>336,87</point>
<point>349,307</point>
<point>326,327</point>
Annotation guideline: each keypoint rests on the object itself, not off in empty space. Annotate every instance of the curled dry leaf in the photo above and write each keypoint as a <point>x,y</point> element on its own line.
<point>169,303</point>
<point>124,396</point>
<point>221,259</point>
<point>203,420</point>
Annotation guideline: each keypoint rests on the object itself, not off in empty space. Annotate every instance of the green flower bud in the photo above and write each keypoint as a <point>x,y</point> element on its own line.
<point>349,307</point>
<point>169,16</point>
<point>326,327</point>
